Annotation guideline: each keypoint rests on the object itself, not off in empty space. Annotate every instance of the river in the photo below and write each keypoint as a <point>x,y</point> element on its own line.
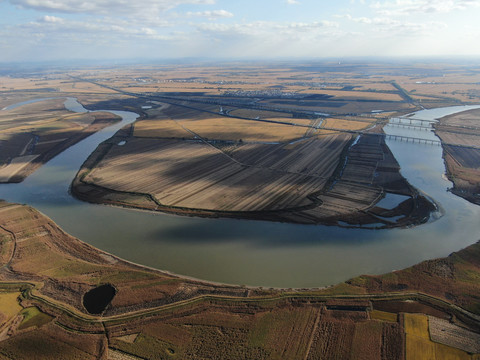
<point>255,253</point>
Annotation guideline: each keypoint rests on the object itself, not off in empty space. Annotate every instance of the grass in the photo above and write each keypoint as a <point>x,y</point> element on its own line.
<point>32,316</point>
<point>148,347</point>
<point>283,333</point>
<point>417,325</point>
<point>38,345</point>
<point>9,305</point>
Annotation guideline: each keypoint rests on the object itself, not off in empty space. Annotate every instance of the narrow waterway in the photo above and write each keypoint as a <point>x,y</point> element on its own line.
<point>255,252</point>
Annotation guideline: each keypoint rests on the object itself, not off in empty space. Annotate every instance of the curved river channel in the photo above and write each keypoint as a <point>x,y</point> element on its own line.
<point>256,253</point>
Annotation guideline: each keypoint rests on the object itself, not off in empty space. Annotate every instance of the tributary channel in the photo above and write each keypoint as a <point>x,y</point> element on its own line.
<point>256,253</point>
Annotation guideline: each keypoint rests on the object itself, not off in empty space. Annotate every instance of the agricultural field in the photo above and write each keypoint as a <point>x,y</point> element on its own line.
<point>34,133</point>
<point>423,343</point>
<point>461,152</point>
<point>195,161</point>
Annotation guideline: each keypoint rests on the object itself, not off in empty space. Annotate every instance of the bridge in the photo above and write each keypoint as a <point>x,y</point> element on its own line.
<point>411,126</point>
<point>412,139</point>
<point>410,120</point>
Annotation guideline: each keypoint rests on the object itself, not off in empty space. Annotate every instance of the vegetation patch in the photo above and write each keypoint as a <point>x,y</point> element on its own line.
<point>32,316</point>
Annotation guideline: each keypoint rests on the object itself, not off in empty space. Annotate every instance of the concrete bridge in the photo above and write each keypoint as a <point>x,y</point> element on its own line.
<point>411,120</point>
<point>412,139</point>
<point>411,126</point>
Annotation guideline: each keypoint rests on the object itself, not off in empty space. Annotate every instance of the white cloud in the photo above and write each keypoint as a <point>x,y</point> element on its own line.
<point>212,15</point>
<point>104,7</point>
<point>292,2</point>
<point>51,19</point>
<point>261,28</point>
<point>411,7</point>
<point>391,27</point>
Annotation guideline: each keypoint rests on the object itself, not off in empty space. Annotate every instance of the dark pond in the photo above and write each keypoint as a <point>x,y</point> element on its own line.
<point>97,300</point>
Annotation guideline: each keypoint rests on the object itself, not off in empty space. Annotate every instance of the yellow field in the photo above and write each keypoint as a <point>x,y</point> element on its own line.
<point>419,345</point>
<point>222,128</point>
<point>344,124</point>
<point>9,305</point>
<point>60,83</point>
<point>252,113</point>
<point>383,316</point>
<point>458,91</point>
<point>160,128</point>
<point>364,95</point>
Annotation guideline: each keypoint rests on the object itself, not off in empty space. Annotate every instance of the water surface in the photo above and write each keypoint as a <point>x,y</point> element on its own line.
<point>255,252</point>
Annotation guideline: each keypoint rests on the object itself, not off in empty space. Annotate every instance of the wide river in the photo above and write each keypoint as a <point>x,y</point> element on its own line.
<point>256,252</point>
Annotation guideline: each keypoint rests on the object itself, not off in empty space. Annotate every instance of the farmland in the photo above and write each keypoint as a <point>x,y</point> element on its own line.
<point>463,161</point>
<point>257,135</point>
<point>279,142</point>
<point>32,134</point>
<point>155,315</point>
<point>194,160</point>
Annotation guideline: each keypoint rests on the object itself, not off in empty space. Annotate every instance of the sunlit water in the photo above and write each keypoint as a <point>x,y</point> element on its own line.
<point>255,252</point>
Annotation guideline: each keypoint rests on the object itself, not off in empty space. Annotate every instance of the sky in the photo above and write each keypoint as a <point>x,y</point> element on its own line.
<point>46,30</point>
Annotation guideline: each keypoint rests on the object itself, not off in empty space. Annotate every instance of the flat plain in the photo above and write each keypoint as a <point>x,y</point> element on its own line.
<point>282,142</point>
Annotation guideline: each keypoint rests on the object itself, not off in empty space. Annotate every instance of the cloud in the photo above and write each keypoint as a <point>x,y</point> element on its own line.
<point>55,28</point>
<point>268,28</point>
<point>104,7</point>
<point>51,19</point>
<point>412,7</point>
<point>387,26</point>
<point>211,15</point>
<point>292,2</point>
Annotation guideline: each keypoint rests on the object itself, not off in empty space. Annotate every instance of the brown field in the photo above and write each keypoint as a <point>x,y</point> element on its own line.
<point>340,107</point>
<point>210,175</point>
<point>252,113</point>
<point>228,129</point>
<point>32,134</point>
<point>463,163</point>
<point>357,95</point>
<point>51,84</point>
<point>460,139</point>
<point>206,180</point>
<point>217,127</point>
<point>344,124</point>
<point>230,165</point>
<point>458,91</point>
<point>451,335</point>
